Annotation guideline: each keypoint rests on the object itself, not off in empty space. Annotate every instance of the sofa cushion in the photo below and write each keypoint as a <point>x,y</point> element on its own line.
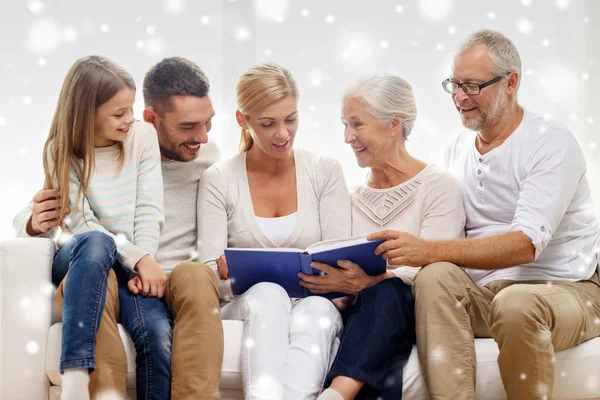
<point>577,373</point>
<point>230,373</point>
<point>226,394</point>
<point>577,369</point>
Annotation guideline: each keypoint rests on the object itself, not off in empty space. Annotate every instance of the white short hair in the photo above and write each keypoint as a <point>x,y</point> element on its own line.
<point>503,52</point>
<point>388,97</point>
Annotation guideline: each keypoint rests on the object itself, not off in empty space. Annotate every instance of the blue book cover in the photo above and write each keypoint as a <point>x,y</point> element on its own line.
<point>250,266</point>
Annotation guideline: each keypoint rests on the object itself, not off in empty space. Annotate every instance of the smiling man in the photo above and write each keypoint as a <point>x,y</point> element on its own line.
<point>531,252</point>
<point>179,107</point>
<point>178,104</point>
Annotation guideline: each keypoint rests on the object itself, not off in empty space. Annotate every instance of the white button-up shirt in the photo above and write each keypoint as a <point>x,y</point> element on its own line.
<point>535,182</point>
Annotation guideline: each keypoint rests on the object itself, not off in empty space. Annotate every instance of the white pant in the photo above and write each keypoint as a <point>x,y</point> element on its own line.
<point>286,348</point>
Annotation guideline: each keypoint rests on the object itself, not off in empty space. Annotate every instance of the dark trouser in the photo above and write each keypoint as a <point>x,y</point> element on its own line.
<point>148,321</point>
<point>379,332</point>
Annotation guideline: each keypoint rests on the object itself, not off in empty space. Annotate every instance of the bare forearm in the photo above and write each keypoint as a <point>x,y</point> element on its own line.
<point>489,253</point>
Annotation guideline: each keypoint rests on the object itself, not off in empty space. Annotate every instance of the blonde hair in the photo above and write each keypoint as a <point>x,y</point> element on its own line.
<point>90,83</point>
<point>387,97</point>
<point>259,87</point>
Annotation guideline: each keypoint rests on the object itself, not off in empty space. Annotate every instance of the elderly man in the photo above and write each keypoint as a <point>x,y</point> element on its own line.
<point>531,252</point>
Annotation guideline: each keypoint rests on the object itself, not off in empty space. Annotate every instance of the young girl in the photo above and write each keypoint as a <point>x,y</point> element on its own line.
<point>272,195</point>
<point>106,167</point>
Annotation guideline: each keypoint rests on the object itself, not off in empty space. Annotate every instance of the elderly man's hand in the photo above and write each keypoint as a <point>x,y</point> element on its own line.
<point>401,248</point>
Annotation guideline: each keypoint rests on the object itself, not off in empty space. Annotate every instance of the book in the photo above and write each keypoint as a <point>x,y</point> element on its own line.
<point>249,266</point>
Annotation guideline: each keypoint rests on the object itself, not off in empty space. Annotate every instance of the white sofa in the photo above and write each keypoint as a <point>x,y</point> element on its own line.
<point>30,346</point>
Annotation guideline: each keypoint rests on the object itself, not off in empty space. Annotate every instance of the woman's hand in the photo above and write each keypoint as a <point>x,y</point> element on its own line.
<point>349,278</point>
<point>222,267</point>
<point>152,277</point>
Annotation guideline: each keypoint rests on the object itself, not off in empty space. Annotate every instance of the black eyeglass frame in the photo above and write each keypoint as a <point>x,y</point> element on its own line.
<point>479,85</point>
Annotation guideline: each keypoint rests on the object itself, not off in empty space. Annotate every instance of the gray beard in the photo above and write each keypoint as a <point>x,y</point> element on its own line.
<point>487,119</point>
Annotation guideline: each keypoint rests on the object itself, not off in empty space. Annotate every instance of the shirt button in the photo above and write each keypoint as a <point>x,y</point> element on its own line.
<point>480,159</point>
<point>543,229</point>
<point>478,172</point>
<point>480,184</point>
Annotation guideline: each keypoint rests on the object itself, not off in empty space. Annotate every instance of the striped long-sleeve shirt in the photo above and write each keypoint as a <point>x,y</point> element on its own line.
<point>125,203</point>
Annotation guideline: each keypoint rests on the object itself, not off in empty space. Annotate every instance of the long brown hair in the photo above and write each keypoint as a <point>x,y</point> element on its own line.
<point>258,88</point>
<point>90,82</point>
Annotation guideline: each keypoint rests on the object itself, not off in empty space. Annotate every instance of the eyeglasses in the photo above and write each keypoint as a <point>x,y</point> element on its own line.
<point>470,88</point>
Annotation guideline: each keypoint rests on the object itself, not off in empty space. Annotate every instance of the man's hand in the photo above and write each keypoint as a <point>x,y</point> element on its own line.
<point>222,267</point>
<point>349,278</point>
<point>45,212</point>
<point>400,248</point>
<point>152,276</point>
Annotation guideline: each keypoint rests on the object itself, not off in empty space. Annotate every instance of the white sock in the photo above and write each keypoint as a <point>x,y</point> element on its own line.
<point>75,384</point>
<point>330,394</point>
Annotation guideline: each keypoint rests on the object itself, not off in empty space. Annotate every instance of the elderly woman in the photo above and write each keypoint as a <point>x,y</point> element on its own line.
<point>274,195</point>
<point>400,193</point>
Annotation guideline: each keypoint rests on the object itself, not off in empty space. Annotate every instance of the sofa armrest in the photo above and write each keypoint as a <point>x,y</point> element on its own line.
<point>25,311</point>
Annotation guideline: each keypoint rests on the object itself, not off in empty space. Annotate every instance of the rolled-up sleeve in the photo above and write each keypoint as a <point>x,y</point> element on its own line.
<point>552,174</point>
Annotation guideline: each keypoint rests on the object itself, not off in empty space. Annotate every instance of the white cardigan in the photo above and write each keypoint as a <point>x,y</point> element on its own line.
<point>226,214</point>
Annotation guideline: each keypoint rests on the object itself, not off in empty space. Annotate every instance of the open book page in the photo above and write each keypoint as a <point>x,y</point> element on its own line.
<point>267,249</point>
<point>333,244</point>
<point>318,247</point>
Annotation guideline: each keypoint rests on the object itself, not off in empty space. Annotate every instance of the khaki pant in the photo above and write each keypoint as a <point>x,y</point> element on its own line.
<point>197,354</point>
<point>529,320</point>
<point>197,357</point>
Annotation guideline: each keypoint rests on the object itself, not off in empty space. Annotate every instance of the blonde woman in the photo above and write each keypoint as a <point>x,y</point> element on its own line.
<point>103,168</point>
<point>272,195</point>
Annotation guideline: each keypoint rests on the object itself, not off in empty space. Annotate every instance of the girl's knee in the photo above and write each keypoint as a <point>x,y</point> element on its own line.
<point>93,248</point>
<point>96,239</point>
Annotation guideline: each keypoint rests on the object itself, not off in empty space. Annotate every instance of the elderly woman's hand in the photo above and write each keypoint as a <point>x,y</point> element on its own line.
<point>401,248</point>
<point>349,278</point>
